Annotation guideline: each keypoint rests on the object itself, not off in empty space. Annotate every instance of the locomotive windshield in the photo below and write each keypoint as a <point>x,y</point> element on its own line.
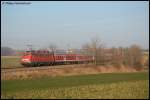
<point>33,52</point>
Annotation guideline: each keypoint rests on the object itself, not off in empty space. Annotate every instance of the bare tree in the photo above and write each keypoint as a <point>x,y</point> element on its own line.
<point>136,55</point>
<point>86,49</point>
<point>146,63</point>
<point>117,56</point>
<point>95,48</point>
<point>132,56</point>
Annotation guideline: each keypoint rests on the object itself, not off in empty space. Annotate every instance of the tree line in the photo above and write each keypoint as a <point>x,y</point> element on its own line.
<point>129,56</point>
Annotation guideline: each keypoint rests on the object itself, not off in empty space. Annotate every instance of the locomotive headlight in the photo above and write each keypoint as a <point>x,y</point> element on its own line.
<point>25,60</point>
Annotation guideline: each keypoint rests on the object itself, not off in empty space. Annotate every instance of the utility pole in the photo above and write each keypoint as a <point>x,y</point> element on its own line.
<point>68,47</point>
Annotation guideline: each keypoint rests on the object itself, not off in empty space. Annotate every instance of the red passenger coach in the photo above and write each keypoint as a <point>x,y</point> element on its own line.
<point>84,58</point>
<point>60,58</point>
<point>71,58</point>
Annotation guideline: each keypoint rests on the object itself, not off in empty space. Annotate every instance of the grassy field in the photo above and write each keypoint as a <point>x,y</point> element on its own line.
<point>10,62</point>
<point>112,85</point>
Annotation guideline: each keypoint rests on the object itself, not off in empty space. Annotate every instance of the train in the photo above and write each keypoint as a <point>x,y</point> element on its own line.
<point>44,57</point>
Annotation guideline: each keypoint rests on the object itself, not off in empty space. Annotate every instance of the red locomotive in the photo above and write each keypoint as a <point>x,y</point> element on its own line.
<point>44,57</point>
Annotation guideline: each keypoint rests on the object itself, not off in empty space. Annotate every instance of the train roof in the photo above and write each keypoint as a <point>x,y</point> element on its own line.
<point>56,52</point>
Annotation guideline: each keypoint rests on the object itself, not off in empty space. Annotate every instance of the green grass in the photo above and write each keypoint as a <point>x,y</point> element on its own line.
<point>120,90</point>
<point>10,61</point>
<point>61,85</point>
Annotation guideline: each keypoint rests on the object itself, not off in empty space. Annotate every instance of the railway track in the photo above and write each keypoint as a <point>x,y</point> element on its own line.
<point>31,69</point>
<point>27,69</point>
<point>23,69</point>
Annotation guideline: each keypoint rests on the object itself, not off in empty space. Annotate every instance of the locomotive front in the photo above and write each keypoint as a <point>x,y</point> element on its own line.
<point>26,58</point>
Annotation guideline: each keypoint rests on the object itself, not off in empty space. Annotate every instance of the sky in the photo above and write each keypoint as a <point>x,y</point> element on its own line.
<point>70,24</point>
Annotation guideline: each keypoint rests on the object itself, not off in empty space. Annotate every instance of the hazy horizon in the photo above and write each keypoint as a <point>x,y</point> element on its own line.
<point>70,24</point>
